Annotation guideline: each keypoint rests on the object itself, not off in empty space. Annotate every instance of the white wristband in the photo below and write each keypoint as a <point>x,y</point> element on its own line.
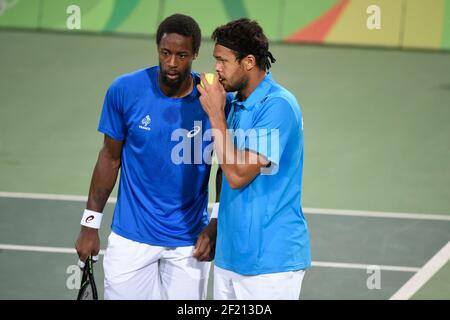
<point>91,219</point>
<point>215,211</point>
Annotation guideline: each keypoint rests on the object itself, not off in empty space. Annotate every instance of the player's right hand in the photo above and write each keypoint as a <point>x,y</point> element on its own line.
<point>206,243</point>
<point>88,243</point>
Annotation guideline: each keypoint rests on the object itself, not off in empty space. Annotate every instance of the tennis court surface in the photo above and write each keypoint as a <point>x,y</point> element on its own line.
<point>376,174</point>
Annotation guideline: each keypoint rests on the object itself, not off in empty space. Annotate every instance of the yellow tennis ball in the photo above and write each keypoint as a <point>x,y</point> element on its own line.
<point>209,77</point>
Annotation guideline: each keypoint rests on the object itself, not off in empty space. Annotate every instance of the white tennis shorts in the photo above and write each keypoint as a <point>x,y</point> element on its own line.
<point>138,271</point>
<point>229,285</point>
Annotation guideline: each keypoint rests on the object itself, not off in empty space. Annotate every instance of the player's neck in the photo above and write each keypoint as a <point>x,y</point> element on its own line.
<point>184,89</point>
<point>253,81</point>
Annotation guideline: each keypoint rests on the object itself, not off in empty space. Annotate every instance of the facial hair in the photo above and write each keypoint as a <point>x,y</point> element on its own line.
<point>174,84</point>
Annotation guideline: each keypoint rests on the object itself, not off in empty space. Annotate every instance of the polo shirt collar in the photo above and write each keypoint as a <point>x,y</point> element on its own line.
<point>257,95</point>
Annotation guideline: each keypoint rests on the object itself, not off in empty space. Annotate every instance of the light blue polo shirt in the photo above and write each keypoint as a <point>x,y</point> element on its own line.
<point>261,227</point>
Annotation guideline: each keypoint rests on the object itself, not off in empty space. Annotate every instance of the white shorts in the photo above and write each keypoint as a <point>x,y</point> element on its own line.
<point>139,271</point>
<point>229,285</point>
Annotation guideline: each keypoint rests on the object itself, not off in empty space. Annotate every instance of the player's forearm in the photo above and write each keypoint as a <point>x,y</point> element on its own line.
<point>224,147</point>
<point>103,180</point>
<point>237,166</point>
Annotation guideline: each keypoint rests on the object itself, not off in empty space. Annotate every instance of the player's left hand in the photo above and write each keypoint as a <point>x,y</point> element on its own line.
<point>213,97</point>
<point>205,248</point>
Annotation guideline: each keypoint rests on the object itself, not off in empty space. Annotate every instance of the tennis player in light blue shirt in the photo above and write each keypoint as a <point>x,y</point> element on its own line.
<point>262,247</point>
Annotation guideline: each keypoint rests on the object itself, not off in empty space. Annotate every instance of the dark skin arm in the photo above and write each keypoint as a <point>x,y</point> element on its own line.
<point>102,183</point>
<point>205,247</point>
<point>218,183</point>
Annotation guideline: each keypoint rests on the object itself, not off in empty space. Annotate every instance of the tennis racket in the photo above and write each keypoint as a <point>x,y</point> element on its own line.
<point>88,289</point>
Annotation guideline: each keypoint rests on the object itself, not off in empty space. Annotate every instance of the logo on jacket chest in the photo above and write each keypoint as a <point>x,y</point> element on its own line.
<point>145,122</point>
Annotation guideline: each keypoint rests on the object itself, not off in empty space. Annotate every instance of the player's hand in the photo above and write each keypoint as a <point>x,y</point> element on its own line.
<point>205,248</point>
<point>212,97</point>
<point>88,243</point>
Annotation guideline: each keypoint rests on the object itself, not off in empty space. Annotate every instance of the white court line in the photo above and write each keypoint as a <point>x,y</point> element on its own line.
<point>377,214</point>
<point>47,196</point>
<point>423,275</point>
<point>338,212</point>
<point>362,266</point>
<point>39,249</point>
<point>314,263</point>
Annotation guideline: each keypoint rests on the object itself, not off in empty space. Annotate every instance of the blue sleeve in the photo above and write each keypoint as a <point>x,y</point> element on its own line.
<point>111,120</point>
<point>271,129</point>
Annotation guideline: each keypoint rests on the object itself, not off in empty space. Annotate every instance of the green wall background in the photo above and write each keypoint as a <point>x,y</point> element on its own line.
<point>281,19</point>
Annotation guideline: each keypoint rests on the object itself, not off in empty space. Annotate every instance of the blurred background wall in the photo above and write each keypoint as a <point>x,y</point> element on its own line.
<point>403,23</point>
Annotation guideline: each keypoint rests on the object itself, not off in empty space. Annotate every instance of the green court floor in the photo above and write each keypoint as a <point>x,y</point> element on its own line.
<point>30,228</point>
<point>376,139</point>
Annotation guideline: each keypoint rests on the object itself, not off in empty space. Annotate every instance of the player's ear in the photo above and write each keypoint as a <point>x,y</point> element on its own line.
<point>195,55</point>
<point>249,62</point>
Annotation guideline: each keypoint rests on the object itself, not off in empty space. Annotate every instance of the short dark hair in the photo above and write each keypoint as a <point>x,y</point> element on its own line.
<point>183,25</point>
<point>245,36</point>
